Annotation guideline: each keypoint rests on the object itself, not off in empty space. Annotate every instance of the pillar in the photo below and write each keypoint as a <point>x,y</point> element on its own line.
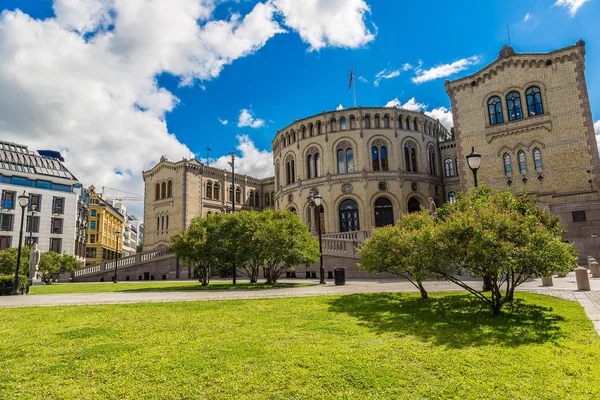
<point>583,281</point>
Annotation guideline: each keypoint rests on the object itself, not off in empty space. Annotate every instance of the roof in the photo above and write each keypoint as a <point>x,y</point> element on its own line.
<point>18,158</point>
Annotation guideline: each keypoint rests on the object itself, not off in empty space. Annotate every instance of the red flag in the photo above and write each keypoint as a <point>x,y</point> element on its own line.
<point>351,79</point>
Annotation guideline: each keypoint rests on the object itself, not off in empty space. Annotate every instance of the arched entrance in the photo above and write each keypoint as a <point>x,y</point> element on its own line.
<point>414,205</point>
<point>384,212</point>
<point>349,216</point>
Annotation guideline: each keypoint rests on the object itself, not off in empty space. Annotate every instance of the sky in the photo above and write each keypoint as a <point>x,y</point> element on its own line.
<point>115,84</point>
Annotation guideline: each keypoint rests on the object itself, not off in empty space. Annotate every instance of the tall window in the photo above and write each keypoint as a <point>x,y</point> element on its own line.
<point>319,128</point>
<point>452,197</point>
<point>209,190</point>
<point>345,159</point>
<point>55,245</point>
<point>33,225</point>
<point>267,200</point>
<point>507,165</point>
<point>377,125</point>
<point>343,123</point>
<point>303,132</point>
<point>332,125</point>
<point>6,222</point>
<point>8,200</point>
<point>415,125</point>
<point>163,190</point>
<point>216,191</point>
<point>92,225</point>
<point>313,164</point>
<point>513,103</point>
<point>58,205</point>
<point>431,155</point>
<point>400,122</point>
<point>56,225</point>
<point>495,110</point>
<point>449,167</point>
<point>534,101</point>
<point>537,159</point>
<point>310,130</point>
<point>290,176</point>
<point>386,121</point>
<point>410,157</point>
<point>35,200</point>
<point>522,163</point>
<point>256,199</point>
<point>352,122</point>
<point>407,124</point>
<point>170,189</point>
<point>379,156</point>
<point>238,195</point>
<point>157,224</point>
<point>367,121</point>
<point>157,192</point>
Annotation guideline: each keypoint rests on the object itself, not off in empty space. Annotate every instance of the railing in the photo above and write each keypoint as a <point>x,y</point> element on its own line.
<point>123,262</point>
<point>356,235</point>
<point>340,247</point>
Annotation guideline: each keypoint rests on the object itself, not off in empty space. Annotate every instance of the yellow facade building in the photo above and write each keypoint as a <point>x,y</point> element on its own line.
<point>104,221</point>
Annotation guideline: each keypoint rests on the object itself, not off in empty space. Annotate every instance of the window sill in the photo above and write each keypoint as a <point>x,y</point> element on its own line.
<point>518,126</point>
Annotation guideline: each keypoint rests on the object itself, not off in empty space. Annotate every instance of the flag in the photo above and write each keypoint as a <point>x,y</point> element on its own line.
<point>351,78</point>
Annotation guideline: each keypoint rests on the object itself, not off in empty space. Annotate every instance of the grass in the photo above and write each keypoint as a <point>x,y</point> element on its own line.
<point>370,346</point>
<point>67,288</point>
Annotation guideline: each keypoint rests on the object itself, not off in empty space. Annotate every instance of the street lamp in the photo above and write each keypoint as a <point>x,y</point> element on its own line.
<point>117,234</point>
<point>33,208</point>
<point>316,200</point>
<point>474,162</point>
<point>23,201</point>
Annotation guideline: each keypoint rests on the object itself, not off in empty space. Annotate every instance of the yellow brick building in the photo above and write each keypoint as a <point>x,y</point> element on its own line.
<point>103,222</point>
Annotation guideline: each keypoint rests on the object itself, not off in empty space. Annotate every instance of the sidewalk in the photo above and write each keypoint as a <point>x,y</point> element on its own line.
<point>565,288</point>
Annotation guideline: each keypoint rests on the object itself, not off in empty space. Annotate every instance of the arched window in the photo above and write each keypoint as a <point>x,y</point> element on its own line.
<point>209,190</point>
<point>456,165</point>
<point>310,130</point>
<point>277,175</point>
<point>290,169</point>
<point>407,124</point>
<point>313,164</point>
<point>319,128</point>
<point>415,125</point>
<point>345,159</point>
<point>349,216</point>
<point>163,190</point>
<point>250,198</point>
<point>267,200</point>
<point>513,104</point>
<point>449,167</point>
<point>162,223</point>
<point>170,188</point>
<point>537,159</point>
<point>431,155</point>
<point>157,224</point>
<point>317,161</point>
<point>310,165</point>
<point>352,122</point>
<point>303,132</point>
<point>410,157</point>
<point>377,125</point>
<point>167,222</point>
<point>384,212</point>
<point>238,195</point>
<point>522,163</point>
<point>495,110</point>
<point>343,124</point>
<point>332,125</point>
<point>452,197</point>
<point>379,156</point>
<point>157,192</point>
<point>534,101</point>
<point>230,193</point>
<point>208,213</point>
<point>414,205</point>
<point>507,165</point>
<point>367,121</point>
<point>216,191</point>
<point>256,199</point>
<point>386,121</point>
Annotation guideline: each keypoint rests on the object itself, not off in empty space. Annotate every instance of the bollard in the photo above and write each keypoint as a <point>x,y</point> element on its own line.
<point>583,281</point>
<point>595,269</point>
<point>590,261</point>
<point>547,281</point>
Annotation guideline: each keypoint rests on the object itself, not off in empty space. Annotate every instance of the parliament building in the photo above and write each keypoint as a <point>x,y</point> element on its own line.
<point>527,114</point>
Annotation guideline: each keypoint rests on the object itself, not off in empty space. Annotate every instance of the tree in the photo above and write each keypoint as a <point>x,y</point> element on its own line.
<point>400,250</point>
<point>502,237</point>
<point>8,261</point>
<point>190,247</point>
<point>52,265</point>
<point>139,248</point>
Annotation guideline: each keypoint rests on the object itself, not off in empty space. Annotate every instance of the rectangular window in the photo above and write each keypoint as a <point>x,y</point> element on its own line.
<point>35,200</point>
<point>579,216</point>
<point>93,213</point>
<point>93,225</point>
<point>58,205</point>
<point>8,200</point>
<point>44,184</point>
<point>5,242</point>
<point>90,252</point>
<point>55,245</point>
<point>33,225</point>
<point>7,222</point>
<point>92,238</point>
<point>33,240</point>
<point>56,225</point>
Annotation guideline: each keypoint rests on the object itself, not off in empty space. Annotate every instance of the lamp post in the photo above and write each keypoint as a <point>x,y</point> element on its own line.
<point>117,234</point>
<point>232,163</point>
<point>33,208</point>
<point>23,201</point>
<point>474,162</point>
<point>316,200</point>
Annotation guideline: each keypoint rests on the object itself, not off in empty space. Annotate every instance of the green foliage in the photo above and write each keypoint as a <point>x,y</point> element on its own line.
<point>8,260</point>
<point>7,281</point>
<point>139,248</point>
<point>53,264</point>
<point>369,346</point>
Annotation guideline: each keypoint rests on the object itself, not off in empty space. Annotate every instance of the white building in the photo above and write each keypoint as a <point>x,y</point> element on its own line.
<point>51,216</point>
<point>137,226</point>
<point>129,236</point>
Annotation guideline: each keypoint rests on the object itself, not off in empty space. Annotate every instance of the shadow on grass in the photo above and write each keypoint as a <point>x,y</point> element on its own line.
<point>84,333</point>
<point>217,287</point>
<point>451,320</point>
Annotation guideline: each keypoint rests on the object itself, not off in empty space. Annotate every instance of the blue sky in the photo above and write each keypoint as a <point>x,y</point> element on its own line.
<point>108,83</point>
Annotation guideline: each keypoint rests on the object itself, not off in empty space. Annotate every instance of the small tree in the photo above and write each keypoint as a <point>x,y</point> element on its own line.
<point>188,246</point>
<point>52,265</point>
<point>400,250</point>
<point>8,261</point>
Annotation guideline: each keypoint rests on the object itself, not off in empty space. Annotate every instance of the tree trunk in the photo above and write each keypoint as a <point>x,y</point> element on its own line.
<point>424,294</point>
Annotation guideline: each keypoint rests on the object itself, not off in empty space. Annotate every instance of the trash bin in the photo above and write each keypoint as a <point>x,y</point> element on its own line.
<point>339,276</point>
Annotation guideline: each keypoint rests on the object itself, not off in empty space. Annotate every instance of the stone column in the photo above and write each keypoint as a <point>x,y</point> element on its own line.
<point>595,269</point>
<point>313,225</point>
<point>583,281</point>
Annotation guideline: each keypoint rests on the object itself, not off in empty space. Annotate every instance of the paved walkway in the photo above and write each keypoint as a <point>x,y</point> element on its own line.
<point>565,288</point>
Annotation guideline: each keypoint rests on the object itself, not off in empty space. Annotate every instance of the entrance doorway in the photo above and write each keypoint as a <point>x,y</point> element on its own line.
<point>349,216</point>
<point>414,205</point>
<point>384,212</point>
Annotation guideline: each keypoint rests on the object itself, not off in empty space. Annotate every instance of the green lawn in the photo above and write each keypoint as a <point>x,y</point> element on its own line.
<point>62,288</point>
<point>371,346</point>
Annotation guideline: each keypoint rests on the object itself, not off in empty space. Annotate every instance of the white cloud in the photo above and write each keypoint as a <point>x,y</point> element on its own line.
<point>444,70</point>
<point>572,5</point>
<point>246,119</point>
<point>254,162</point>
<point>321,23</point>
<point>386,73</point>
<point>442,114</point>
<point>597,126</point>
<point>363,79</point>
<point>527,17</point>
<point>223,121</point>
<point>340,107</point>
<point>407,67</point>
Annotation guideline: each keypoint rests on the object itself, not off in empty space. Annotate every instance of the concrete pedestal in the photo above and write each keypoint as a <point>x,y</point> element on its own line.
<point>547,281</point>
<point>583,280</point>
<point>595,269</point>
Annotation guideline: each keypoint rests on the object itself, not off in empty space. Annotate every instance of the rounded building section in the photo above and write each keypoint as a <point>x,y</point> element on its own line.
<point>370,165</point>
